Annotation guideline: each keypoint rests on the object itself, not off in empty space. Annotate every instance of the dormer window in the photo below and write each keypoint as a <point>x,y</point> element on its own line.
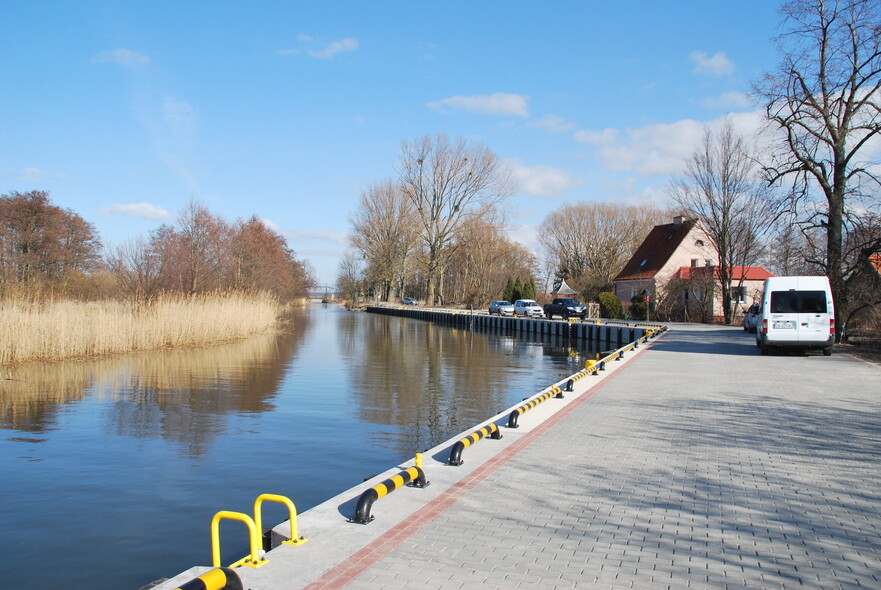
<point>643,263</point>
<point>699,243</point>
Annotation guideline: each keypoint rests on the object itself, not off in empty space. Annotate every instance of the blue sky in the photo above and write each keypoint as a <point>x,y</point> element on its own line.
<point>125,111</point>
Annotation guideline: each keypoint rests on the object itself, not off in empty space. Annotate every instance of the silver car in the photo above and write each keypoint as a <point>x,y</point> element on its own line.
<point>528,308</point>
<point>751,318</point>
<point>501,308</point>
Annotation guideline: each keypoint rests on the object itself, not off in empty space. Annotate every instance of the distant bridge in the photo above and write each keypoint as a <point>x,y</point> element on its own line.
<point>324,292</point>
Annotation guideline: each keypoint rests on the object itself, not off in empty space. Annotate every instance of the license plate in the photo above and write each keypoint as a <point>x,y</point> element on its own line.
<point>784,326</point>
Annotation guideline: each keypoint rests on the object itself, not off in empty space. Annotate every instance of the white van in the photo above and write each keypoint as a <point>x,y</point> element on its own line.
<point>797,312</point>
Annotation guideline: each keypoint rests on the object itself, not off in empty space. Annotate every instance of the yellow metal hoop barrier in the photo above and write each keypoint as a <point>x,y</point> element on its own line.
<point>295,538</point>
<point>254,559</point>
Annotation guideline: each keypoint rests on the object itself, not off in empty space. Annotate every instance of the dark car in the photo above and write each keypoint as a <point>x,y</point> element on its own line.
<point>566,307</point>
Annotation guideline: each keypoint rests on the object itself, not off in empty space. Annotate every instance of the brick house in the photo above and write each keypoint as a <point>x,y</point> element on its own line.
<point>676,265</point>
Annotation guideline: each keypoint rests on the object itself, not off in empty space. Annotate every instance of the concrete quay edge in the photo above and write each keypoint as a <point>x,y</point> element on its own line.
<point>332,539</point>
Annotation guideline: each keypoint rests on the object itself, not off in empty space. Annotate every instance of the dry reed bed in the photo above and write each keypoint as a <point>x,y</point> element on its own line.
<point>58,330</point>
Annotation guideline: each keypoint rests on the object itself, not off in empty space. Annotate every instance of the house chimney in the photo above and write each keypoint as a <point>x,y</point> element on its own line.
<point>677,221</point>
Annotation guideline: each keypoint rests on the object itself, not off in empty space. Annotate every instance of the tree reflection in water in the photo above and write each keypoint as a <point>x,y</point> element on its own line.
<point>180,395</point>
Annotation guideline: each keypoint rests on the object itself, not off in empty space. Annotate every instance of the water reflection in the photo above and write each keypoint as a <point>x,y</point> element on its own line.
<point>138,451</point>
<point>178,395</point>
<point>424,383</point>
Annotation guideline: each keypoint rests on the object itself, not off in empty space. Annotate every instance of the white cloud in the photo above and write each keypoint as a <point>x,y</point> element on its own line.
<point>334,49</point>
<point>329,51</point>
<point>179,116</point>
<point>37,175</point>
<point>270,225</point>
<point>498,103</point>
<point>553,124</point>
<point>659,149</point>
<point>123,57</point>
<point>308,235</point>
<point>542,181</point>
<point>143,210</point>
<point>526,235</point>
<point>728,101</point>
<point>597,138</point>
<point>717,64</point>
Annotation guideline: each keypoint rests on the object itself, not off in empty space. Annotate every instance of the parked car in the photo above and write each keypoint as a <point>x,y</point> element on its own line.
<point>409,301</point>
<point>566,307</point>
<point>751,318</point>
<point>797,312</point>
<point>501,308</point>
<point>527,308</point>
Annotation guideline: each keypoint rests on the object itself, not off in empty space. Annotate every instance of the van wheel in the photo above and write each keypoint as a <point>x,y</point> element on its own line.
<point>764,347</point>
<point>827,351</point>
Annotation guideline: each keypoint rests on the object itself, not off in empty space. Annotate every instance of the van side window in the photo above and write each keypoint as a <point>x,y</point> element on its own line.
<point>798,302</point>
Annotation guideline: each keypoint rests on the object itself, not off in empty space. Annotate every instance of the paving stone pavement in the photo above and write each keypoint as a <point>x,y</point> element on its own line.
<point>702,464</point>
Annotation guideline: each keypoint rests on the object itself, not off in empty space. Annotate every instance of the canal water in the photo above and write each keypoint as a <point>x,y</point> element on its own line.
<point>113,469</point>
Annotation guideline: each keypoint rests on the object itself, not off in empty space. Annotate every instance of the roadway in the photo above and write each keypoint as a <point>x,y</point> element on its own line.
<point>695,462</point>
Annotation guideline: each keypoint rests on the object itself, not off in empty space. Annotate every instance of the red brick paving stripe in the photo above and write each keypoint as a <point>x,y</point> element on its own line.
<point>346,573</point>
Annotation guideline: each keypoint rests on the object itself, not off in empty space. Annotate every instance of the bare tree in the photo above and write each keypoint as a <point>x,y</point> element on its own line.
<point>722,188</point>
<point>484,260</point>
<point>385,230</point>
<point>591,242</point>
<point>194,254</point>
<point>135,267</point>
<point>42,242</point>
<point>349,278</point>
<point>824,99</point>
<point>449,185</point>
<point>261,260</point>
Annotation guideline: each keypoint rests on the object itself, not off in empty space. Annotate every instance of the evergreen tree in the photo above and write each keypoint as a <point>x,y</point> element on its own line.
<point>518,290</point>
<point>530,291</point>
<point>508,293</point>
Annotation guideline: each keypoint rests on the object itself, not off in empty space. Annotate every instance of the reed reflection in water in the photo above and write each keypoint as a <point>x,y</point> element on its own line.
<point>114,468</point>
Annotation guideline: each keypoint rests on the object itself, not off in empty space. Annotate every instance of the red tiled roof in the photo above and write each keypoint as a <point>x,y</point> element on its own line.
<point>747,273</point>
<point>655,250</point>
<point>875,260</point>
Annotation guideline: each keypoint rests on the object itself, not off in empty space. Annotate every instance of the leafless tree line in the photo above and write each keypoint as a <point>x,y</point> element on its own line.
<point>805,200</point>
<point>202,252</point>
<point>43,244</point>
<point>436,230</point>
<point>45,248</point>
<point>824,104</point>
<point>818,154</point>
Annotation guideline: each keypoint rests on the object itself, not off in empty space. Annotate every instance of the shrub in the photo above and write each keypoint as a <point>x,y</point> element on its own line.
<point>610,306</point>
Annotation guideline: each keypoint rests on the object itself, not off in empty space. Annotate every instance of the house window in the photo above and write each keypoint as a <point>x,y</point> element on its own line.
<point>695,261</point>
<point>699,243</point>
<point>709,262</point>
<point>643,263</point>
<point>738,294</point>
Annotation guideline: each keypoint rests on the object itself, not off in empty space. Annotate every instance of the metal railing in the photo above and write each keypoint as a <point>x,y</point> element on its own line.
<point>491,430</point>
<point>412,475</point>
<point>221,578</point>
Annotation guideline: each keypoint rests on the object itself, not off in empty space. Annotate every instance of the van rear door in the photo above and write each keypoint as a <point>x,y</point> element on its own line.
<point>813,316</point>
<point>783,323</point>
<point>799,316</point>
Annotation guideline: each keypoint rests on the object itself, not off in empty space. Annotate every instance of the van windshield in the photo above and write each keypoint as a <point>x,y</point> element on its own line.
<point>798,302</point>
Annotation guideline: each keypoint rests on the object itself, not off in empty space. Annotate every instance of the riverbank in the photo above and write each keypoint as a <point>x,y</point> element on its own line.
<point>57,330</point>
